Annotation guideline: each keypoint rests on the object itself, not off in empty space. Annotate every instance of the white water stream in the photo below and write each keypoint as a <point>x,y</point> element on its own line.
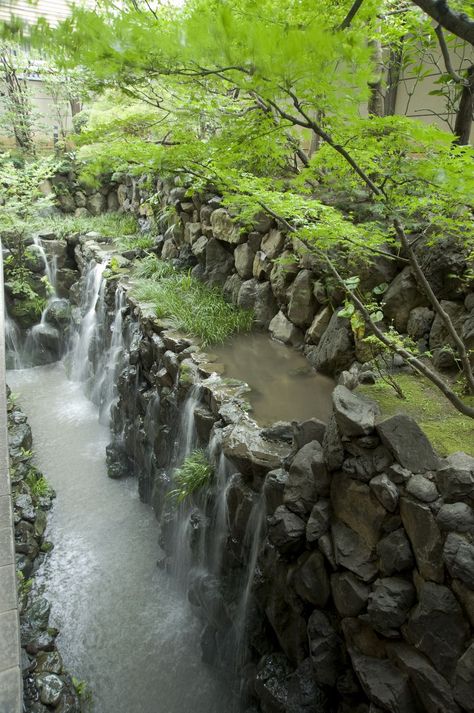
<point>124,629</point>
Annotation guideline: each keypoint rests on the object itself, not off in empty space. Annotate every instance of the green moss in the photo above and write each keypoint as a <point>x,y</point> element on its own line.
<point>448,430</point>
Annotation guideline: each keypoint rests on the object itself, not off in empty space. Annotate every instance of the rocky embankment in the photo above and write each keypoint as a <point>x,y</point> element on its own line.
<point>359,577</point>
<point>46,684</point>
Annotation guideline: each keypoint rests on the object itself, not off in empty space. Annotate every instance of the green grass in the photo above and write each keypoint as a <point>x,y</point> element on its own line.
<point>37,483</point>
<point>110,225</point>
<point>448,430</point>
<point>191,306</point>
<point>195,472</point>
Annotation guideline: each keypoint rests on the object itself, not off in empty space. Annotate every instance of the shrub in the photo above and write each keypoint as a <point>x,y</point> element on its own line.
<point>195,472</point>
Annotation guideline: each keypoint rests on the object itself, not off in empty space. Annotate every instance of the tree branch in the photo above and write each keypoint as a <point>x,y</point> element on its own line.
<point>350,15</point>
<point>457,23</point>
<point>447,59</point>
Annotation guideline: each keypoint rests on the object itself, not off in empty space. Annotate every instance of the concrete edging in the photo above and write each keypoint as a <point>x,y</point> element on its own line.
<point>11,688</point>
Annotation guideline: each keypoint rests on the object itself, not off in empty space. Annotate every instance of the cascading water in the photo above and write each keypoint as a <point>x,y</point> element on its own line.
<point>13,344</point>
<point>93,287</point>
<point>50,265</point>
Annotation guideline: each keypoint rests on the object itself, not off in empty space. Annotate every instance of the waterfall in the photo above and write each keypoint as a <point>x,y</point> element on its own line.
<point>50,267</point>
<point>13,344</point>
<point>93,288</point>
<point>219,515</point>
<point>104,390</point>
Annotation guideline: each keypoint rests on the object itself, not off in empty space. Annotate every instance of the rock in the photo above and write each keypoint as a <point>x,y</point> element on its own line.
<point>306,431</point>
<point>395,553</point>
<point>281,277</point>
<point>310,579</point>
<point>96,204</point>
<point>285,331</point>
<point>58,313</point>
<point>355,416</point>
<point>319,325</point>
<point>455,478</point>
<point>332,446</point>
<point>66,202</point>
<point>286,530</point>
<point>307,480</point>
<point>219,263</point>
<point>422,489</point>
<point>112,202</point>
<point>231,288</point>
<point>192,231</point>
<point>250,452</point>
<point>318,523</point>
<point>389,603</point>
<point>198,248</point>
<point>351,552</point>
<point>354,504</point>
<point>273,243</point>
<point>425,538</point>
<point>324,649</point>
<point>49,662</point>
<point>50,688</point>
<point>407,443</point>
<point>384,684</point>
<point>458,555</point>
<point>259,297</point>
<point>350,594</point>
<point>243,258</point>
<point>288,625</point>
<point>456,517</point>
<point>302,303</point>
<point>271,682</point>
<point>304,694</point>
<point>431,688</point>
<point>466,597</point>
<point>439,336</point>
<point>402,296</point>
<point>273,489</point>
<point>437,627</point>
<point>262,266</point>
<point>464,680</point>
<point>349,379</point>
<point>169,251</point>
<point>224,228</point>
<point>335,351</point>
<point>385,491</point>
<point>419,322</point>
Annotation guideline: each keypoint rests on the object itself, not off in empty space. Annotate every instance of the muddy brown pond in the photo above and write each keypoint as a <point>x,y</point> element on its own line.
<point>283,385</point>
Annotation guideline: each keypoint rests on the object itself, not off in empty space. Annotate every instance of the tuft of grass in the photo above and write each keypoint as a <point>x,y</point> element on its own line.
<point>195,472</point>
<point>37,484</point>
<point>110,225</point>
<point>190,305</point>
<point>448,430</point>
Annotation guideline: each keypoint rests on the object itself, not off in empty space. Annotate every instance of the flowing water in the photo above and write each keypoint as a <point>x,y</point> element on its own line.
<point>284,387</point>
<point>124,630</point>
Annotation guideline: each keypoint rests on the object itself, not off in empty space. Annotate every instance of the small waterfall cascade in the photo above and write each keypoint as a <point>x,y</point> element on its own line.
<point>219,514</point>
<point>106,373</point>
<point>92,294</point>
<point>13,344</point>
<point>50,265</point>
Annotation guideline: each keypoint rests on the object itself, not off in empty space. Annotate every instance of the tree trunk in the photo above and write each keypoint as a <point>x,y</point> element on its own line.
<point>463,125</point>
<point>393,80</point>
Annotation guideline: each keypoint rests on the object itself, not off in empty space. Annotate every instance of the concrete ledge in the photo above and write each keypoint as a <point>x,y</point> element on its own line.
<point>11,690</point>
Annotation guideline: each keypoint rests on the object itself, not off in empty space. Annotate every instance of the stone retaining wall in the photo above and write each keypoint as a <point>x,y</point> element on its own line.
<point>363,592</point>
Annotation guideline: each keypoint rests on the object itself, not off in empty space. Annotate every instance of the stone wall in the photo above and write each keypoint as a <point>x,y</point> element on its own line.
<point>361,573</point>
<point>270,271</point>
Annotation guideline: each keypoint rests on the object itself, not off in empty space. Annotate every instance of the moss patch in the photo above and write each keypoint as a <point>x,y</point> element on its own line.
<point>448,430</point>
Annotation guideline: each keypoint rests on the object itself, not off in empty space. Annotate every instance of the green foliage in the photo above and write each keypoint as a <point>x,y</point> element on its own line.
<point>37,484</point>
<point>191,306</point>
<point>140,241</point>
<point>109,225</point>
<point>194,474</point>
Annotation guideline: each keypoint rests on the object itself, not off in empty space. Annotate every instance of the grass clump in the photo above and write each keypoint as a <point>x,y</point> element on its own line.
<point>37,484</point>
<point>447,429</point>
<point>109,225</point>
<point>190,305</point>
<point>195,472</point>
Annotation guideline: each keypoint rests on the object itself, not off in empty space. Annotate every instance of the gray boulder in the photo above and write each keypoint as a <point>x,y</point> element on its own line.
<point>455,478</point>
<point>354,504</point>
<point>319,519</point>
<point>224,228</point>
<point>458,554</point>
<point>402,296</point>
<point>389,603</point>
<point>456,517</point>
<point>335,351</point>
<point>302,303</point>
<point>422,488</point>
<point>355,416</point>
<point>319,325</point>
<point>419,322</point>
<point>351,552</point>
<point>324,649</point>
<point>310,579</point>
<point>385,491</point>
<point>273,489</point>
<point>243,257</point>
<point>384,684</point>
<point>308,479</point>
<point>407,443</point>
<point>464,680</point>
<point>425,538</point>
<point>219,263</point>
<point>350,594</point>
<point>285,331</point>
<point>286,530</point>
<point>395,553</point>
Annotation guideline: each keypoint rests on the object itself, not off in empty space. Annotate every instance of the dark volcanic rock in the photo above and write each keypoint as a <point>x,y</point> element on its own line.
<point>286,530</point>
<point>408,444</point>
<point>389,603</point>
<point>307,480</point>
<point>425,538</point>
<point>324,648</point>
<point>355,415</point>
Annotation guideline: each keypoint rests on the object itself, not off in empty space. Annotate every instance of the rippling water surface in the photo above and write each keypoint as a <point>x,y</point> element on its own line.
<point>124,630</point>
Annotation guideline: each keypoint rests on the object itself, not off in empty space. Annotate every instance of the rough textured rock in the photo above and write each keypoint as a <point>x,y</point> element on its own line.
<point>431,688</point>
<point>319,520</point>
<point>407,442</point>
<point>273,243</point>
<point>319,325</point>
<point>271,682</point>
<point>401,298</point>
<point>224,228</point>
<point>422,489</point>
<point>384,684</point>
<point>350,594</point>
<point>286,530</point>
<point>352,553</point>
<point>302,303</point>
<point>259,297</point>
<point>285,331</point>
<point>310,579</point>
<point>219,263</point>
<point>464,680</point>
<point>389,603</point>
<point>385,491</point>
<point>456,517</point>
<point>252,454</point>
<point>324,648</point>
<point>332,446</point>
<point>458,555</point>
<point>335,351</point>
<point>455,478</point>
<point>439,336</point>
<point>273,489</point>
<point>355,416</point>
<point>306,431</point>
<point>437,627</point>
<point>243,257</point>
<point>419,322</point>
<point>307,480</point>
<point>354,504</point>
<point>425,538</point>
<point>395,553</point>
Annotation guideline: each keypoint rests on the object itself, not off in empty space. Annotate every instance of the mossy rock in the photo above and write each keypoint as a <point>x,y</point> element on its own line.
<point>448,430</point>
<point>26,312</point>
